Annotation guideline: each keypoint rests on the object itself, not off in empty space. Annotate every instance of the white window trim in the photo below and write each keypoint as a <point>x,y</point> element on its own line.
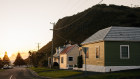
<point>99,51</point>
<point>72,57</point>
<point>121,52</point>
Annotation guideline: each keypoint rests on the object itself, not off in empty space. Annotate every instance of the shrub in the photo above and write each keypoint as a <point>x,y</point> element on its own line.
<point>80,61</point>
<point>55,65</point>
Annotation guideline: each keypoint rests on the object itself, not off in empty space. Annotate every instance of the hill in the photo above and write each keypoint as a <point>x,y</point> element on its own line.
<point>82,25</point>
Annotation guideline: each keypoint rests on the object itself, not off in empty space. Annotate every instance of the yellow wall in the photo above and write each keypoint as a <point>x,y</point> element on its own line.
<point>64,64</point>
<point>73,53</point>
<point>92,60</point>
<point>56,60</point>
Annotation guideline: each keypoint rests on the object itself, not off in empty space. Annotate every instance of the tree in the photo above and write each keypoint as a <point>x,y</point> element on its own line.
<point>34,59</point>
<point>6,59</point>
<point>19,60</point>
<point>55,65</point>
<point>1,64</point>
<point>80,61</point>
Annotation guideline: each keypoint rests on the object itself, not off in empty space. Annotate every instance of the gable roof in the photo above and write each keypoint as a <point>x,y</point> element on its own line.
<point>115,34</point>
<point>56,55</point>
<point>66,50</point>
<point>58,51</point>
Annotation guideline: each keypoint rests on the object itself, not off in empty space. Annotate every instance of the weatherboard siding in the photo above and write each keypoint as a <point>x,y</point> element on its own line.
<point>112,54</point>
<point>56,60</point>
<point>64,64</point>
<point>92,60</point>
<point>73,53</point>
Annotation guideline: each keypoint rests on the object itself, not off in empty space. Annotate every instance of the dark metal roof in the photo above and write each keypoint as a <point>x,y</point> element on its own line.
<point>115,34</point>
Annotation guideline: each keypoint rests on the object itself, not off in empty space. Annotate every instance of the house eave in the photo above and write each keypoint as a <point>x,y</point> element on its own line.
<point>122,40</point>
<point>93,42</point>
<point>111,41</point>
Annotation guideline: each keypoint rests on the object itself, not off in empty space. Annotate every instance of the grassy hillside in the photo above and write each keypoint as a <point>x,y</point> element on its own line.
<point>82,25</point>
<point>94,19</point>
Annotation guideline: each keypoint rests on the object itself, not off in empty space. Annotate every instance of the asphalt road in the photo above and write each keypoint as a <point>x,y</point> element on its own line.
<point>17,73</point>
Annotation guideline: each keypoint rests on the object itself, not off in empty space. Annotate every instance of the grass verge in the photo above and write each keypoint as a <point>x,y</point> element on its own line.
<point>1,70</point>
<point>130,74</point>
<point>55,73</point>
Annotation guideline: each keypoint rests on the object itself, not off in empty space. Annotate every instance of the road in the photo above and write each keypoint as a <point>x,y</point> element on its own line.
<point>17,73</point>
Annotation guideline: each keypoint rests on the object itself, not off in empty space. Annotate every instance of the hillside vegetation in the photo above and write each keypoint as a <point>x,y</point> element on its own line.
<point>82,25</point>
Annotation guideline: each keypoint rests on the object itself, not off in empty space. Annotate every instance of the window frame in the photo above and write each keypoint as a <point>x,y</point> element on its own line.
<point>96,53</point>
<point>72,58</point>
<point>121,52</point>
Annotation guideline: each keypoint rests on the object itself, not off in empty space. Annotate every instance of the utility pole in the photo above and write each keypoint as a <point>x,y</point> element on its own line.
<point>38,46</point>
<point>52,43</point>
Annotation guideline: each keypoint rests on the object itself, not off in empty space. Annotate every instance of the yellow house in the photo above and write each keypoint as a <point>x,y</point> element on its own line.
<point>112,49</point>
<point>68,57</point>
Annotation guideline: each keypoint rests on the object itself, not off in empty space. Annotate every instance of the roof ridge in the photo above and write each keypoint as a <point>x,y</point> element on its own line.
<point>71,49</point>
<point>98,36</point>
<point>107,32</point>
<point>67,48</point>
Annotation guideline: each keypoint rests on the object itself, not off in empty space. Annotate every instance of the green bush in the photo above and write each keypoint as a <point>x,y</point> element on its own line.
<point>80,62</point>
<point>55,65</point>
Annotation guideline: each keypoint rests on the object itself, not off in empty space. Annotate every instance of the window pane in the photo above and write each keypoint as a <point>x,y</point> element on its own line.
<point>70,58</point>
<point>61,59</point>
<point>124,51</point>
<point>97,52</point>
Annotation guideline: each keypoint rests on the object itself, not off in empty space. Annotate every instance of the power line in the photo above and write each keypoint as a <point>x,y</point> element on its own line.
<point>77,18</point>
<point>62,28</point>
<point>81,4</point>
<point>67,9</point>
<point>52,45</point>
<point>62,10</point>
<point>73,6</point>
<point>100,2</point>
<point>64,38</point>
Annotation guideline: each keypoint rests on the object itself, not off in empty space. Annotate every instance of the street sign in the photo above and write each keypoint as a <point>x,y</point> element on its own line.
<point>85,49</point>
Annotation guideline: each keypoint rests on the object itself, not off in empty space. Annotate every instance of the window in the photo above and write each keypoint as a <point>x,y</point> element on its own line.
<point>124,51</point>
<point>97,51</point>
<point>70,58</point>
<point>62,59</point>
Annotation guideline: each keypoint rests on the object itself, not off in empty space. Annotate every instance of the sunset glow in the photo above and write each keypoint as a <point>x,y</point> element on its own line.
<point>24,23</point>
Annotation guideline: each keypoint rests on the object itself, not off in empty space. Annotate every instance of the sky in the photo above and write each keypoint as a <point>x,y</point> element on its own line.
<point>24,23</point>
